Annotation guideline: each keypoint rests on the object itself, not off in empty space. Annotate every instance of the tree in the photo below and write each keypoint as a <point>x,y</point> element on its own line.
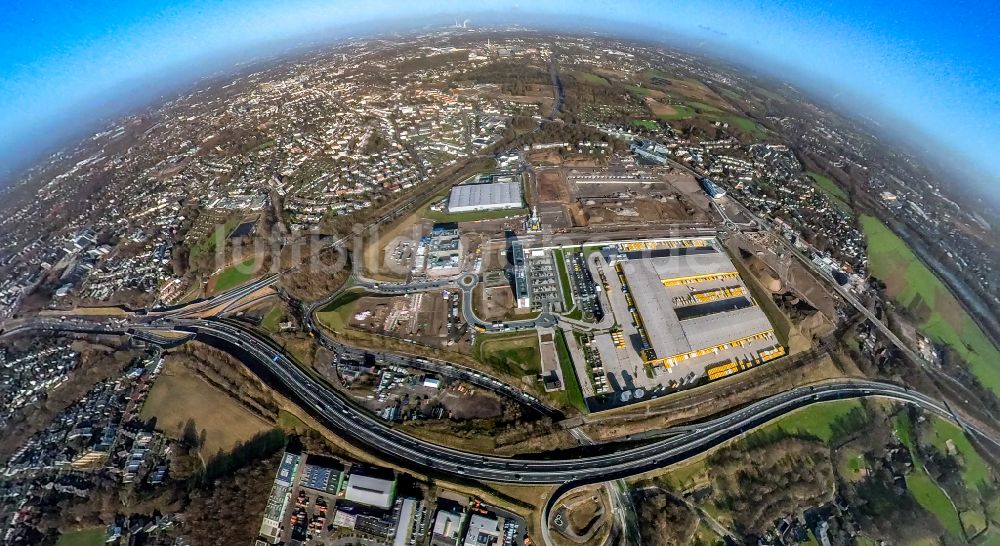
<point>189,436</point>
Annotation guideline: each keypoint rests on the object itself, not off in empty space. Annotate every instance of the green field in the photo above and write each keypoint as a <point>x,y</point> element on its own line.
<point>291,423</point>
<point>832,190</point>
<point>746,125</point>
<point>647,124</point>
<point>594,79</point>
<point>702,108</point>
<point>904,431</point>
<point>336,314</point>
<point>515,354</point>
<point>824,421</point>
<point>862,540</point>
<point>208,243</point>
<point>975,471</point>
<point>852,463</point>
<point>684,475</point>
<point>638,90</point>
<point>572,384</point>
<point>271,319</point>
<point>236,275</point>
<point>564,283</point>
<point>941,317</point>
<point>690,109</point>
<point>933,499</point>
<point>973,521</point>
<point>84,537</point>
<point>924,490</point>
<point>827,184</point>
<point>681,111</point>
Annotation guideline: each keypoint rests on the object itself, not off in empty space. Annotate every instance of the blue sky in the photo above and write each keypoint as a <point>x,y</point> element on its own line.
<point>932,66</point>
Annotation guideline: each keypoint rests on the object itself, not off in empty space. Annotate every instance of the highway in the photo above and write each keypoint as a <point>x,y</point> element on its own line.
<point>337,411</point>
<point>440,367</point>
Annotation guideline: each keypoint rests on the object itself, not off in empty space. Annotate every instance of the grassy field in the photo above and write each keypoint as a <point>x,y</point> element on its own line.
<point>912,285</point>
<point>826,184</point>
<point>690,109</point>
<point>823,421</point>
<point>236,275</point>
<point>83,537</point>
<point>686,474</point>
<point>975,472</point>
<point>564,283</point>
<point>832,190</point>
<point>572,383</point>
<point>924,490</point>
<point>514,354</point>
<point>681,111</point>
<point>208,243</point>
<point>746,125</point>
<point>904,431</point>
<point>647,124</point>
<point>933,499</point>
<point>712,113</point>
<point>850,462</point>
<point>179,395</point>
<point>594,79</point>
<point>337,313</point>
<point>638,90</point>
<point>271,319</point>
<point>292,423</point>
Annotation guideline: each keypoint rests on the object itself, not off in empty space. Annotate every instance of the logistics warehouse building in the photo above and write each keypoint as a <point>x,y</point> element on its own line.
<point>689,315</point>
<point>490,196</point>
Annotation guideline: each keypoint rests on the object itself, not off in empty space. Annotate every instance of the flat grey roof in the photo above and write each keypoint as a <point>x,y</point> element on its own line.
<point>480,195</point>
<point>669,335</point>
<point>711,330</point>
<point>657,312</point>
<point>370,491</point>
<point>669,267</point>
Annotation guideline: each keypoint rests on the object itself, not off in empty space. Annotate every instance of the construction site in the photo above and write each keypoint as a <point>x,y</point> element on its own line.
<point>429,317</point>
<point>685,316</point>
<point>621,193</point>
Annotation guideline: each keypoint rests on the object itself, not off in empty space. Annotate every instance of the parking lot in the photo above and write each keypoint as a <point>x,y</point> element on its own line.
<point>584,287</point>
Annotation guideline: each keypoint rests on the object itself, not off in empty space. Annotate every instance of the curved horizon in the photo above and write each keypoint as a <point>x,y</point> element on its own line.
<point>65,67</point>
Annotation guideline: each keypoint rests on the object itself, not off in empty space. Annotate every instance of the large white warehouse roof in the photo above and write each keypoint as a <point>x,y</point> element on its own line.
<point>495,196</point>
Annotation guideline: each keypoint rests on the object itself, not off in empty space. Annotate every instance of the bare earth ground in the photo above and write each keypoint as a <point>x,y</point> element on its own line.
<point>179,394</point>
<point>793,276</point>
<point>493,303</point>
<point>553,187</point>
<point>412,226</point>
<point>699,91</point>
<point>658,108</point>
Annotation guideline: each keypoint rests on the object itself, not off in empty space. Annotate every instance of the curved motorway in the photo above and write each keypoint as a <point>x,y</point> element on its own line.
<point>338,412</point>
